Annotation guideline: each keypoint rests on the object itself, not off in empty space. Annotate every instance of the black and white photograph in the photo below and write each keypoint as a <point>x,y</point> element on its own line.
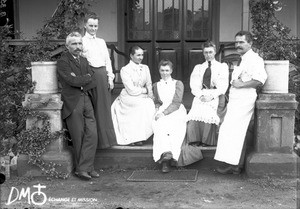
<point>150,104</point>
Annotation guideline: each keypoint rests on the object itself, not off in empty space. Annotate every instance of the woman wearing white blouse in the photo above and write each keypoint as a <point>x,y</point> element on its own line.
<point>133,109</point>
<point>169,124</point>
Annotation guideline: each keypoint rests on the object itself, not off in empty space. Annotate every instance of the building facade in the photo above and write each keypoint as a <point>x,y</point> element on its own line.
<point>173,29</point>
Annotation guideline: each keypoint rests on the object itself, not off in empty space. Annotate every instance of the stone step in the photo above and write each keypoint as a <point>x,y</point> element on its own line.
<point>133,157</point>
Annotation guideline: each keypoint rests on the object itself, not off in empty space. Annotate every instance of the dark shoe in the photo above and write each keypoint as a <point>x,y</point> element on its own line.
<point>173,163</point>
<point>94,174</point>
<point>138,143</point>
<point>225,170</point>
<point>196,144</point>
<point>207,145</point>
<point>165,157</point>
<point>83,175</point>
<point>165,167</point>
<point>236,170</point>
<point>161,159</point>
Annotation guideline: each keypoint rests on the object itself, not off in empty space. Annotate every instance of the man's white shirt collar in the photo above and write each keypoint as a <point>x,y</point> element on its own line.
<point>90,36</point>
<point>248,53</point>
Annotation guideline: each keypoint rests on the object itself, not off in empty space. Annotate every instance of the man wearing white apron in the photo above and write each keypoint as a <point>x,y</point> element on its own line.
<point>246,77</point>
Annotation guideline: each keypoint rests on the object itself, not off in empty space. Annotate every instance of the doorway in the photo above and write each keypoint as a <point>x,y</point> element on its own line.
<point>172,29</point>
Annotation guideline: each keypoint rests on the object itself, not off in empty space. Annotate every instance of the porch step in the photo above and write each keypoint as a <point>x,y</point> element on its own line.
<point>134,157</point>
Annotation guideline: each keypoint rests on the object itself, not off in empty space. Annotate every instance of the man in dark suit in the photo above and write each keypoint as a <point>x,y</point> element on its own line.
<point>77,80</point>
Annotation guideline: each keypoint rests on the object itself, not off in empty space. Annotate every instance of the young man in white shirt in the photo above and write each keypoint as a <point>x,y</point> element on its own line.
<point>96,52</point>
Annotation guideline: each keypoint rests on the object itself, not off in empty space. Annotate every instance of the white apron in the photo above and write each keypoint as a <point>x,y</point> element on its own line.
<point>169,130</point>
<point>204,111</point>
<point>233,130</point>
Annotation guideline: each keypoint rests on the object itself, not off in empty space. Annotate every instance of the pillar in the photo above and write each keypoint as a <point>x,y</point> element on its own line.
<point>274,137</point>
<point>56,152</point>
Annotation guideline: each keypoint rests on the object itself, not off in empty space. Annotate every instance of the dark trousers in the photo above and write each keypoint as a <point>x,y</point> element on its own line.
<point>247,143</point>
<point>82,128</point>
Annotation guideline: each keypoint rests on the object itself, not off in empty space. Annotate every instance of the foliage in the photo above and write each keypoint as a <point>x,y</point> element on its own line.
<point>33,142</point>
<point>68,17</point>
<point>15,82</point>
<point>294,87</point>
<point>274,42</point>
<point>272,38</point>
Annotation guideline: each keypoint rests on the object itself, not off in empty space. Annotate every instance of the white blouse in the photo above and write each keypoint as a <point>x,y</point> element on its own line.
<point>219,79</point>
<point>135,77</point>
<point>96,52</point>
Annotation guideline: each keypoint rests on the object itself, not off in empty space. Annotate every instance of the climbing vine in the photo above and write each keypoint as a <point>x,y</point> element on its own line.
<point>15,82</point>
<point>34,141</point>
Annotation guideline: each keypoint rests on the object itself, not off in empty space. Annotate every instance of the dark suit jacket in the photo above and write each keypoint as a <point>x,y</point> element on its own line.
<point>73,86</point>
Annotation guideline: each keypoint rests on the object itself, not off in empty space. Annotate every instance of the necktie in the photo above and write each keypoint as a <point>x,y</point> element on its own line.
<point>77,59</point>
<point>207,76</point>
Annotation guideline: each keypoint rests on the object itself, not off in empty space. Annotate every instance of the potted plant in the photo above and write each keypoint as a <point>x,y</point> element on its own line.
<point>273,43</point>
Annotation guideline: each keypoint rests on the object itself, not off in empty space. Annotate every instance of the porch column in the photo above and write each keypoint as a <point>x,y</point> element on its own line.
<point>245,16</point>
<point>56,151</point>
<point>274,137</point>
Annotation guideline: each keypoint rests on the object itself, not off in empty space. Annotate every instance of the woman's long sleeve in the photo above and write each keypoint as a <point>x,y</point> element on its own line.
<point>177,99</point>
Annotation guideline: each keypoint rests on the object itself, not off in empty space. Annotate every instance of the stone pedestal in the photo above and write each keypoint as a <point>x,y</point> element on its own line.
<point>274,137</point>
<point>44,75</point>
<point>56,152</point>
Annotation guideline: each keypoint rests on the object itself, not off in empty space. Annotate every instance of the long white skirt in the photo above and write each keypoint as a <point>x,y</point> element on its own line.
<point>169,133</point>
<point>234,128</point>
<point>132,118</point>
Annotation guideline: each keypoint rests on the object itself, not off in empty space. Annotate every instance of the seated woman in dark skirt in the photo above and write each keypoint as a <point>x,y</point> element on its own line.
<point>208,82</point>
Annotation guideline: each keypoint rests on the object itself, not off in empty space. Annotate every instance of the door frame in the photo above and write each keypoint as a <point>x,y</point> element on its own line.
<point>121,30</point>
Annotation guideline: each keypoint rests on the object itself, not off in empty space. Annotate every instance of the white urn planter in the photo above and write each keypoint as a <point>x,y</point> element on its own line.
<point>278,77</point>
<point>44,75</point>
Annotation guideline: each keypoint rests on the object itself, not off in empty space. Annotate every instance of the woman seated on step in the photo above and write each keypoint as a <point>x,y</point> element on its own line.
<point>133,110</point>
<point>169,124</point>
<point>208,82</point>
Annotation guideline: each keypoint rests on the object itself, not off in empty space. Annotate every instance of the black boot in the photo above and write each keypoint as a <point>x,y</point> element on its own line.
<point>165,167</point>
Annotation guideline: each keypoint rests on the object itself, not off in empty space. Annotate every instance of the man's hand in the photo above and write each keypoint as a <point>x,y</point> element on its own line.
<point>111,85</point>
<point>238,83</point>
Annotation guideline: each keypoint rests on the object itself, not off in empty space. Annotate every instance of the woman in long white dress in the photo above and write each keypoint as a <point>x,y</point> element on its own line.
<point>133,110</point>
<point>169,124</point>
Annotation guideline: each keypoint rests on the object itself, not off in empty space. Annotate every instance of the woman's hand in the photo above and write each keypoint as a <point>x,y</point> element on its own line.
<point>144,90</point>
<point>159,115</point>
<point>206,98</point>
